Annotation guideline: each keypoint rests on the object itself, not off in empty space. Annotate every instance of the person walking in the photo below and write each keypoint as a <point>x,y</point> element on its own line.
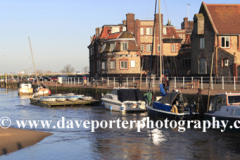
<point>120,80</point>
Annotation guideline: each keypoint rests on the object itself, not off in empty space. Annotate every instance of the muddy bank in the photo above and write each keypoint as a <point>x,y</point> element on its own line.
<point>12,139</point>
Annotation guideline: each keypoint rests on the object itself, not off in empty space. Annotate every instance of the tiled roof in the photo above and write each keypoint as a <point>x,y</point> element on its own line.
<point>171,32</point>
<point>113,36</point>
<point>188,39</point>
<point>104,32</point>
<point>225,17</point>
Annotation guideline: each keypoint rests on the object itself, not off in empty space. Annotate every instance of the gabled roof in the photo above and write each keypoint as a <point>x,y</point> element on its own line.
<point>225,18</point>
<point>171,33</point>
<point>188,39</point>
<point>104,32</point>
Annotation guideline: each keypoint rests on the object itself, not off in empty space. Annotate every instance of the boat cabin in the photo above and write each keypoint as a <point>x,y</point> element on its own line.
<point>225,104</point>
<point>25,85</point>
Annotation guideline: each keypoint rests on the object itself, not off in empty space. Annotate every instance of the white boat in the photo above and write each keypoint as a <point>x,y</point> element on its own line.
<point>87,98</point>
<point>225,107</point>
<point>69,94</point>
<point>60,99</point>
<point>25,89</point>
<point>47,99</point>
<point>124,100</point>
<point>72,99</point>
<point>56,95</point>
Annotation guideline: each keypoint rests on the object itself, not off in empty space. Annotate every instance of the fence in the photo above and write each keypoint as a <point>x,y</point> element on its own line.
<point>218,83</point>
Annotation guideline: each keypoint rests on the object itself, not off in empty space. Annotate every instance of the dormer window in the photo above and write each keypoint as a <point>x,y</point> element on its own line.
<point>225,42</point>
<point>112,46</point>
<point>124,46</point>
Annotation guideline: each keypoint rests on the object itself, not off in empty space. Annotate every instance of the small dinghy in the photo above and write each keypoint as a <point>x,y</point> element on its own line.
<point>47,99</point>
<point>69,94</point>
<point>56,95</point>
<point>60,99</point>
<point>72,99</point>
<point>87,98</point>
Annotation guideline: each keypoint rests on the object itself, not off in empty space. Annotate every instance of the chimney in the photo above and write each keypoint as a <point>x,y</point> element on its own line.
<point>124,22</point>
<point>97,32</point>
<point>169,22</point>
<point>130,22</point>
<point>185,23</point>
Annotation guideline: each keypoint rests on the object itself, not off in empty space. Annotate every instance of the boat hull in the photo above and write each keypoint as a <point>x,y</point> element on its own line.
<point>230,123</point>
<point>160,114</point>
<point>122,107</point>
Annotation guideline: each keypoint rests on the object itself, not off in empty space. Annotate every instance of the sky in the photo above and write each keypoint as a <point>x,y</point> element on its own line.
<point>60,30</point>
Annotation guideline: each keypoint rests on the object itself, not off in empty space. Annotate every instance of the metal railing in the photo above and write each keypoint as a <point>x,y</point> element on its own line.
<point>218,83</point>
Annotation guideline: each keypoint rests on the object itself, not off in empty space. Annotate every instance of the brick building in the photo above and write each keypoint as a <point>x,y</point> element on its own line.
<point>216,29</point>
<point>124,48</point>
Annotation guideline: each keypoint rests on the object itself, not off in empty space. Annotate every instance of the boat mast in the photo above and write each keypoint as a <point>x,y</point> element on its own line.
<point>32,58</point>
<point>160,38</point>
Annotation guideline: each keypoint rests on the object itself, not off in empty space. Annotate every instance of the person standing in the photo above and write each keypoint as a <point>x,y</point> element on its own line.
<point>120,80</point>
<point>96,79</point>
<point>199,102</point>
<point>85,81</point>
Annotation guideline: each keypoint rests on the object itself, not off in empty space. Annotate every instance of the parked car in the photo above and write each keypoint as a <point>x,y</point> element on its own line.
<point>54,78</point>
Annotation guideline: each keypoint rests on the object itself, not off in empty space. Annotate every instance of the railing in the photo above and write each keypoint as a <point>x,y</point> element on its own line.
<point>218,83</point>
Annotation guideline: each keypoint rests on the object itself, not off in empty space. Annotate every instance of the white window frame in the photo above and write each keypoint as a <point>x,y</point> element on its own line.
<point>225,39</point>
<point>124,29</point>
<point>173,48</point>
<point>122,65</point>
<point>202,66</point>
<point>149,31</point>
<point>112,64</point>
<point>149,48</point>
<point>141,31</point>
<point>103,65</point>
<point>225,62</point>
<point>124,46</point>
<point>132,63</point>
<point>112,46</point>
<point>202,43</point>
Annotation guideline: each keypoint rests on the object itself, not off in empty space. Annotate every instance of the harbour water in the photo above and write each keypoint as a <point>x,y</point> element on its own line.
<point>81,143</point>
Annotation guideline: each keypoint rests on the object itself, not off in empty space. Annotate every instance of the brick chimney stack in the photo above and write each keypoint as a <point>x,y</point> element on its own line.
<point>185,23</point>
<point>130,22</point>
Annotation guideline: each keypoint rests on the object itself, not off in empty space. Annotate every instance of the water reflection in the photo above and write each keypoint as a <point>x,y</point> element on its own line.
<point>81,143</point>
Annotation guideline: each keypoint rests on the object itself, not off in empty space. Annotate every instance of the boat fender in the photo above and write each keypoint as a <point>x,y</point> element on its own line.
<point>174,109</point>
<point>134,106</point>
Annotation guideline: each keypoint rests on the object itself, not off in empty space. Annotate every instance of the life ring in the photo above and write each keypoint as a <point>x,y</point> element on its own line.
<point>174,109</point>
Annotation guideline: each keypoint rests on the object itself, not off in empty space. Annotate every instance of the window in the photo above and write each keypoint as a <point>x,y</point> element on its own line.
<point>202,43</point>
<point>202,66</point>
<point>149,31</point>
<point>186,63</point>
<point>225,62</point>
<point>142,48</point>
<point>132,63</point>
<point>141,31</point>
<point>124,29</point>
<point>225,42</point>
<point>124,46</point>
<point>103,65</point>
<point>112,65</point>
<point>103,47</point>
<point>112,46</point>
<point>233,99</point>
<point>123,64</point>
<point>158,48</point>
<point>164,31</point>
<point>173,48</point>
<point>149,48</point>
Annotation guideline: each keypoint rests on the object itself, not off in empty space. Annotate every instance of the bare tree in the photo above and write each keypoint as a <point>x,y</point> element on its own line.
<point>85,69</point>
<point>68,69</point>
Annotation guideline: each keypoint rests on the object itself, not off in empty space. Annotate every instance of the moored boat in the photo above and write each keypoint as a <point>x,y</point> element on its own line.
<point>172,106</point>
<point>124,100</point>
<point>47,99</point>
<point>25,89</point>
<point>226,107</point>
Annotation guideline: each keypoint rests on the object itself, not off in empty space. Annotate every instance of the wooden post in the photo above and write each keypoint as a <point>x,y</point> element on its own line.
<point>210,82</point>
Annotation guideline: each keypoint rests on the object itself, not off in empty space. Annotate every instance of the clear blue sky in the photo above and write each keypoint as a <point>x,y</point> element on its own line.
<point>60,30</point>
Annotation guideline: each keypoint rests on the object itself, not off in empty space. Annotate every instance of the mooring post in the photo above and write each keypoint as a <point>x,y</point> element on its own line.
<point>108,80</point>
